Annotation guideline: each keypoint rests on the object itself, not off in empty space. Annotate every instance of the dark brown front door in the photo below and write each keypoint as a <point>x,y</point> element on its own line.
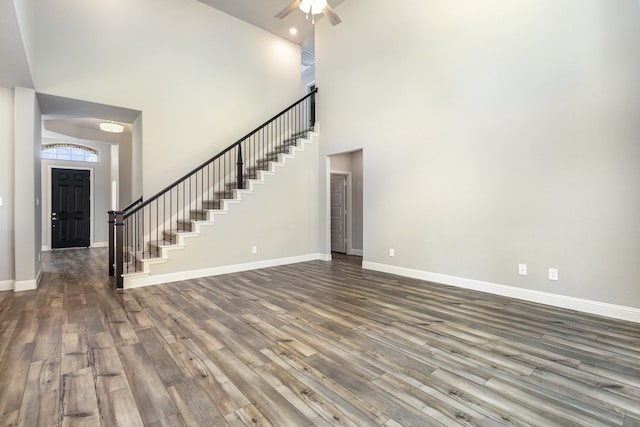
<point>70,208</point>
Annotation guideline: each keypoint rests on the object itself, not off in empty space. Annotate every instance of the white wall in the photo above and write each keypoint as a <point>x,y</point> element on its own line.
<point>7,271</point>
<point>201,78</point>
<point>496,133</point>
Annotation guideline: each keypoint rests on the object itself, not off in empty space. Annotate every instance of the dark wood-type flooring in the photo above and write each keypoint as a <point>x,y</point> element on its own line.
<point>317,343</point>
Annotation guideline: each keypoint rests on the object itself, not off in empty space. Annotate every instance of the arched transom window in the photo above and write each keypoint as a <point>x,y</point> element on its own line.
<point>73,152</point>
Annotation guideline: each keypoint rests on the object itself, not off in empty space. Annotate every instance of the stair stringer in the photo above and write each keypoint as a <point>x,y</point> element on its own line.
<point>278,214</point>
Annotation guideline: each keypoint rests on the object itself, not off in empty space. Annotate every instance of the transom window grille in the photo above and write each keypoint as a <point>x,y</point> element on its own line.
<point>73,152</point>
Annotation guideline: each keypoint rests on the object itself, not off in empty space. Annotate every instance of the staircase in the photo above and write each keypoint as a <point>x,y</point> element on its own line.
<point>149,234</point>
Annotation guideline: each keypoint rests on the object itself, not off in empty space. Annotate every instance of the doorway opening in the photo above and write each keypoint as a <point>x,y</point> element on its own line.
<point>339,212</point>
<point>345,203</point>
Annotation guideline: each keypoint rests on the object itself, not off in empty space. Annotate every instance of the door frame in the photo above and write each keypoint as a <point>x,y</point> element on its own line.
<point>47,215</point>
<point>349,203</point>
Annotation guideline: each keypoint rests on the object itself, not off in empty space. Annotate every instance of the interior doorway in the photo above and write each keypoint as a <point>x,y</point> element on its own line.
<point>345,203</point>
<point>70,208</point>
<point>339,213</point>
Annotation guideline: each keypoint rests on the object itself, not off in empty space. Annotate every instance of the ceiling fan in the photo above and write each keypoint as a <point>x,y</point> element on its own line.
<point>311,7</point>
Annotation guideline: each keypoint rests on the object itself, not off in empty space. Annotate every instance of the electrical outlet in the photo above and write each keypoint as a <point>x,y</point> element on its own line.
<point>553,274</point>
<point>392,252</point>
<point>522,269</point>
<point>254,249</point>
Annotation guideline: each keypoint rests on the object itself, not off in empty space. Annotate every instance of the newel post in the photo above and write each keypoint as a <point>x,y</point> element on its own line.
<point>119,225</point>
<point>239,164</point>
<point>112,246</point>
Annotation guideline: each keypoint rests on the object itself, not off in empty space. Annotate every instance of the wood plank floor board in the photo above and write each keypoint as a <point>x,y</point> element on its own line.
<point>185,327</point>
<point>607,396</point>
<point>14,371</point>
<point>236,342</point>
<point>118,408</point>
<point>525,412</point>
<point>75,348</point>
<point>357,410</point>
<point>315,343</point>
<point>433,357</point>
<point>152,398</point>
<point>7,331</point>
<point>41,402</point>
<point>365,389</point>
<point>108,370</point>
<point>630,421</point>
<point>248,416</point>
<point>49,338</point>
<point>313,406</point>
<point>165,365</point>
<point>603,380</point>
<point>434,405</point>
<point>79,401</point>
<point>26,329</point>
<point>194,405</point>
<point>269,373</point>
<point>584,410</point>
<point>273,406</point>
<point>225,394</point>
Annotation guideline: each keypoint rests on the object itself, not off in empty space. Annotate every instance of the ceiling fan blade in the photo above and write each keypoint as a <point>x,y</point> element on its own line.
<point>287,10</point>
<point>332,15</point>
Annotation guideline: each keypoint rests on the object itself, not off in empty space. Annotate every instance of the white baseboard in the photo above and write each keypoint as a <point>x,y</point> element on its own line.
<point>45,248</point>
<point>100,245</point>
<point>138,281</point>
<point>324,257</point>
<point>587,306</point>
<point>7,285</point>
<point>357,252</point>
<point>27,285</point>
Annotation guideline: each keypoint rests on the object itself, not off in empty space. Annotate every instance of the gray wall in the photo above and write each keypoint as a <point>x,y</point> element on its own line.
<point>27,207</point>
<point>201,78</point>
<point>495,133</point>
<point>280,218</point>
<point>7,274</point>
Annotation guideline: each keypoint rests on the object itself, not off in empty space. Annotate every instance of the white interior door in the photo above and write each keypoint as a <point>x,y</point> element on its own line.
<point>338,213</point>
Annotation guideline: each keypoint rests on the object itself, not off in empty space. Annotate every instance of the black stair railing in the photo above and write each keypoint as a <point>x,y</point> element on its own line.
<point>140,231</point>
<point>112,233</point>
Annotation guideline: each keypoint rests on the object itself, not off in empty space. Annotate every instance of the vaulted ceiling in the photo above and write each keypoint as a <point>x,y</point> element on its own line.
<point>14,66</point>
<point>262,14</point>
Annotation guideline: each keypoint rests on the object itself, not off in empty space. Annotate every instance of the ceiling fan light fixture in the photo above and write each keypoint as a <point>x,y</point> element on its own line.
<point>111,127</point>
<point>305,6</point>
<point>318,7</point>
<point>314,7</point>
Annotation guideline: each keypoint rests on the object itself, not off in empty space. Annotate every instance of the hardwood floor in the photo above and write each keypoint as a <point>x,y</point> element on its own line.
<point>317,343</point>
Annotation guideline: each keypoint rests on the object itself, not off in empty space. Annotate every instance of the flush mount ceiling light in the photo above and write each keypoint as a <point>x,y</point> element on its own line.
<point>111,127</point>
